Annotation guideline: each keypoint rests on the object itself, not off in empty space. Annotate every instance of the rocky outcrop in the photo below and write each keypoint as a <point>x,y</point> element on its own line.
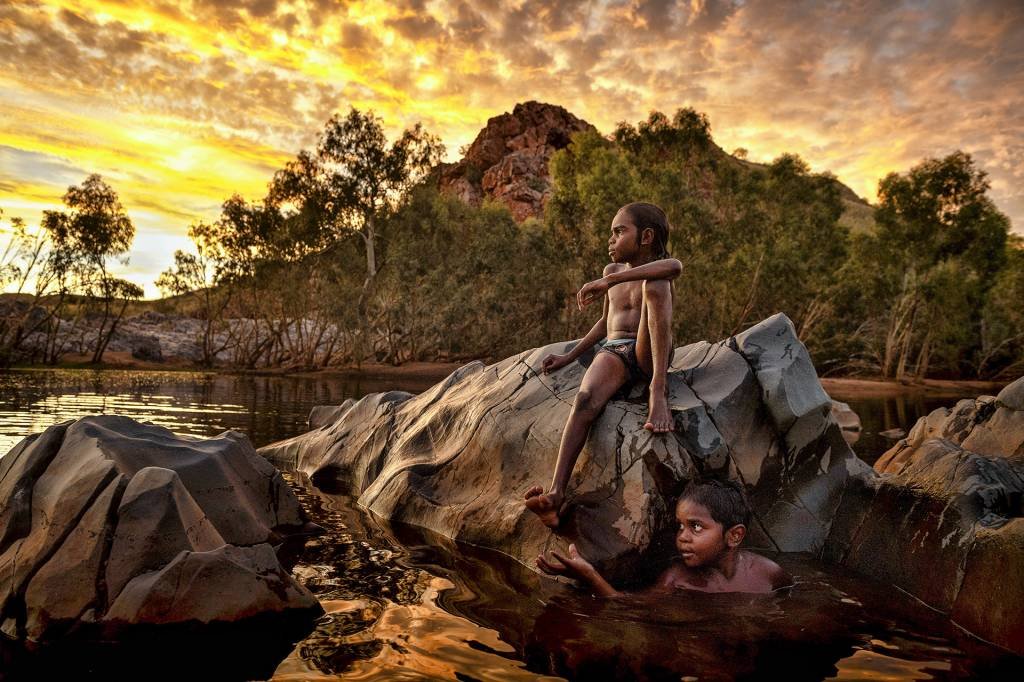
<point>847,420</point>
<point>943,519</point>
<point>508,160</point>
<point>107,524</point>
<point>458,458</point>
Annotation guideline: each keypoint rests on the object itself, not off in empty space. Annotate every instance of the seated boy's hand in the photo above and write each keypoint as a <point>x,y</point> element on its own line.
<point>571,566</point>
<point>554,362</point>
<point>590,292</point>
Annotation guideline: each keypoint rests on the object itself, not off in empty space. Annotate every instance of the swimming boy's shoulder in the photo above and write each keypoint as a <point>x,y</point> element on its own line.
<point>613,267</point>
<point>764,570</point>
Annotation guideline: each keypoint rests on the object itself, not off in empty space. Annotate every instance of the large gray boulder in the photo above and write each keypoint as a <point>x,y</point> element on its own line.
<point>458,458</point>
<point>943,520</point>
<point>107,523</point>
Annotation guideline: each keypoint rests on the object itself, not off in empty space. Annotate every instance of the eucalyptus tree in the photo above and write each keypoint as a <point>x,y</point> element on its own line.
<point>351,183</point>
<point>83,238</point>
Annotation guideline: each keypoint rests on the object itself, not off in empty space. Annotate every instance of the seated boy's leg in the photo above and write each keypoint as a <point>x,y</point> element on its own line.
<point>606,374</point>
<point>653,349</point>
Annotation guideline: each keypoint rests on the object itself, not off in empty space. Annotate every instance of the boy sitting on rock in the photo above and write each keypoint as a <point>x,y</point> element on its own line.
<point>637,327</point>
<point>713,518</point>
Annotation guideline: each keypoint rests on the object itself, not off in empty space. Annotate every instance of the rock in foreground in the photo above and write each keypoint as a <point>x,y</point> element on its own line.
<point>458,458</point>
<point>943,521</point>
<point>107,524</point>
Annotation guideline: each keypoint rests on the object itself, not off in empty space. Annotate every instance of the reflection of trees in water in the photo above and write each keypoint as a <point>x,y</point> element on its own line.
<point>340,566</point>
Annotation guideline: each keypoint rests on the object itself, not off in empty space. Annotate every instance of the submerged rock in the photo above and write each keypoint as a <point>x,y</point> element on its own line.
<point>943,521</point>
<point>458,458</point>
<point>107,523</point>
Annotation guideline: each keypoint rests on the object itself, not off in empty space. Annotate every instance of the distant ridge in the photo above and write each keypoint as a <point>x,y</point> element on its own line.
<point>508,163</point>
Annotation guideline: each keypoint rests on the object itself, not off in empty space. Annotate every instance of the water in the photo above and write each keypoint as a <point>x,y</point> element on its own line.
<point>404,603</point>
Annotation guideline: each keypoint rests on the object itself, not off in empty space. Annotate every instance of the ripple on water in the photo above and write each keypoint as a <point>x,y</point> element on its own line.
<point>402,601</point>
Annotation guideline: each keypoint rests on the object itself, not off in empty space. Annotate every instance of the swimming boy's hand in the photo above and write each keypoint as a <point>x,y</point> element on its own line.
<point>554,362</point>
<point>571,566</point>
<point>590,292</point>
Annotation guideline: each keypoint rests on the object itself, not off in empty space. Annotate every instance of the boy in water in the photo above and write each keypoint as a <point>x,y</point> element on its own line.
<point>713,518</point>
<point>636,323</point>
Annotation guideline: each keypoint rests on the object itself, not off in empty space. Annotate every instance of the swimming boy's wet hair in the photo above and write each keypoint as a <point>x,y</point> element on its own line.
<point>725,501</point>
<point>645,216</point>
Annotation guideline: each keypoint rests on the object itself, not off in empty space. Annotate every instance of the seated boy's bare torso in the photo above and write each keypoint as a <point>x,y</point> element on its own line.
<point>625,305</point>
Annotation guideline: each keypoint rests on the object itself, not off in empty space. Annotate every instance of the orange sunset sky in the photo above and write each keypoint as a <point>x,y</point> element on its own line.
<point>180,104</point>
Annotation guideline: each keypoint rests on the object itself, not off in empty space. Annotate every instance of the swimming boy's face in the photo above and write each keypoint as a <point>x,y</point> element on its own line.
<point>701,540</point>
<point>624,244</point>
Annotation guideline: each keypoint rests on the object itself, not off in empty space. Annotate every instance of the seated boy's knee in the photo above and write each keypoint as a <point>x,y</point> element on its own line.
<point>586,403</point>
<point>655,289</point>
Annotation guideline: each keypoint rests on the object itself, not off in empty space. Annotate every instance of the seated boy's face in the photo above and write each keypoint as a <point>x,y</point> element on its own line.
<point>700,539</point>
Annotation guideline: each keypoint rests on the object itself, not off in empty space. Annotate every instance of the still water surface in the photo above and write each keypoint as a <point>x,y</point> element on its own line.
<point>402,603</point>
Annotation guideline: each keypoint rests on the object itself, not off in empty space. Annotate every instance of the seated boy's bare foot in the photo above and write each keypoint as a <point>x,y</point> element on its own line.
<point>544,505</point>
<point>659,417</point>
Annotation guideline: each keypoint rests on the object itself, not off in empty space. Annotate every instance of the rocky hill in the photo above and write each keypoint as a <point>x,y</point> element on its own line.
<point>508,162</point>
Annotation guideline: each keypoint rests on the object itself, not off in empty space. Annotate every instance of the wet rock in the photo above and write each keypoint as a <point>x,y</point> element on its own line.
<point>322,415</point>
<point>457,458</point>
<point>942,521</point>
<point>107,523</point>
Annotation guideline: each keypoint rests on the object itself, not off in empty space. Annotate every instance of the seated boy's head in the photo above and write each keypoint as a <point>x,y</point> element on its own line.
<point>643,227</point>
<point>713,518</point>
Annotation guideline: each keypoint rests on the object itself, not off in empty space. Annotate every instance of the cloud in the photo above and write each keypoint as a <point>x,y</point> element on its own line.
<point>209,96</point>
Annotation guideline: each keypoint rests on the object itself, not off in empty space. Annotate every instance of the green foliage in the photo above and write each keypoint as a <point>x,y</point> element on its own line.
<point>355,254</point>
<point>751,241</point>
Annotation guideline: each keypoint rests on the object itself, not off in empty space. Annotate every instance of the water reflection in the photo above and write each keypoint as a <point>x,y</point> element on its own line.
<point>265,408</point>
<point>896,413</point>
<point>449,610</point>
<point>403,603</point>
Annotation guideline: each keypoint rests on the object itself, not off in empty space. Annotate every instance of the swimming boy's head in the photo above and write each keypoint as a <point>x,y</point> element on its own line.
<point>636,228</point>
<point>713,518</point>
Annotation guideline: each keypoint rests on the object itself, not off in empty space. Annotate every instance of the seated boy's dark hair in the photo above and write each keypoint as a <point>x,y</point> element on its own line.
<point>725,501</point>
<point>646,216</point>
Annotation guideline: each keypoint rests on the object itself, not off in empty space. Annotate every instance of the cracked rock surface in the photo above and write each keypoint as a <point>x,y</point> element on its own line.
<point>107,523</point>
<point>943,519</point>
<point>458,458</point>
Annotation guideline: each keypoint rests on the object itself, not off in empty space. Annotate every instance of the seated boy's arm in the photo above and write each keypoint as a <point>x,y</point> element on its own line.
<point>666,268</point>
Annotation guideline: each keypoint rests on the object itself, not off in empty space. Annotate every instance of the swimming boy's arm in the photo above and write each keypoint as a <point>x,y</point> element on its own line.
<point>666,268</point>
<point>575,566</point>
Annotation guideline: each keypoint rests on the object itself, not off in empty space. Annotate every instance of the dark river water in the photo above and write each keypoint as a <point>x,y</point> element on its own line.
<point>403,603</point>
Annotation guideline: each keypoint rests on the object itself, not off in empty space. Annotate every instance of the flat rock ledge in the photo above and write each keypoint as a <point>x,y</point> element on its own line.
<point>458,458</point>
<point>943,521</point>
<point>108,525</point>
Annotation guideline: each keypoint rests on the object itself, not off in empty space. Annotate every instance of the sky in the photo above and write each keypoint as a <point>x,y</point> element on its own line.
<point>179,105</point>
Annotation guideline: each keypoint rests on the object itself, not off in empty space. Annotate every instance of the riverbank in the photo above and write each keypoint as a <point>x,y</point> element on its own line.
<point>849,388</point>
<point>840,387</point>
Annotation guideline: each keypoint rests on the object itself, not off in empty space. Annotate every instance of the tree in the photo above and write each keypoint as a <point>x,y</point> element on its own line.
<point>96,228</point>
<point>194,276</point>
<point>352,182</point>
<point>942,243</point>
